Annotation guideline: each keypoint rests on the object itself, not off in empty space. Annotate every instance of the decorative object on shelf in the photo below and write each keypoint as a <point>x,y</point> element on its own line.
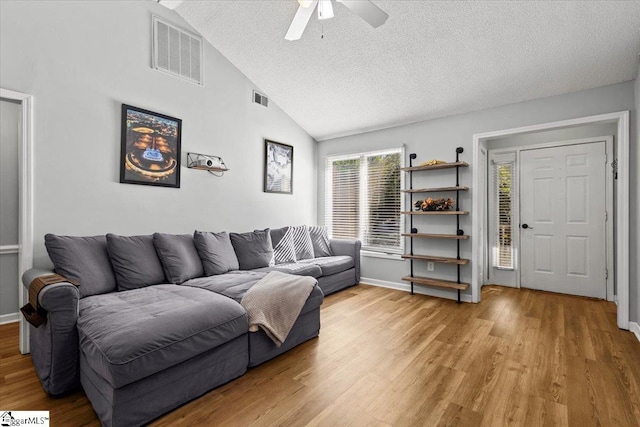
<point>437,206</point>
<point>213,164</point>
<point>430,204</point>
<point>433,162</point>
<point>278,167</point>
<point>150,150</point>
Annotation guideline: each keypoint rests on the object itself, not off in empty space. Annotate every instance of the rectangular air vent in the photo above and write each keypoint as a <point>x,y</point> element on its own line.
<point>177,52</point>
<point>259,98</point>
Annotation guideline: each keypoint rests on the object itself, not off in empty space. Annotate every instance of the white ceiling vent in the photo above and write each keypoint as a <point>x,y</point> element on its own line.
<point>259,98</point>
<point>177,52</point>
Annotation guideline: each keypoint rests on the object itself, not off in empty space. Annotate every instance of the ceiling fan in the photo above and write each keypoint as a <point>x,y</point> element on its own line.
<point>363,8</point>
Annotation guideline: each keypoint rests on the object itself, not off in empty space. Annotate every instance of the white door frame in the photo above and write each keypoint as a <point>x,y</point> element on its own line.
<point>621,118</point>
<point>25,199</point>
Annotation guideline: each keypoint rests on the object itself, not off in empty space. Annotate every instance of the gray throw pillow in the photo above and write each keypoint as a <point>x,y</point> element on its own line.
<point>216,252</point>
<point>135,261</point>
<point>179,257</point>
<point>84,260</point>
<point>283,249</point>
<point>320,240</point>
<point>253,249</point>
<point>302,242</point>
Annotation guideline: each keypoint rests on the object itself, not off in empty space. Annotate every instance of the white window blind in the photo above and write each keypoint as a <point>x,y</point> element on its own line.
<point>363,200</point>
<point>503,182</point>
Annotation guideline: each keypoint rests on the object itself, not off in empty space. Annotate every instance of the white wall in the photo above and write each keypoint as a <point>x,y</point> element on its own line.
<point>81,61</point>
<point>438,138</point>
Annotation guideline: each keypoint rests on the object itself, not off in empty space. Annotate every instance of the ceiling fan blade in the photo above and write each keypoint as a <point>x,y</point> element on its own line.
<point>300,21</point>
<point>367,11</point>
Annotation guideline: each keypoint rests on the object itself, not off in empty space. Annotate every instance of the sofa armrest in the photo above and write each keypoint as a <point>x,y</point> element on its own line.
<point>54,345</point>
<point>350,248</point>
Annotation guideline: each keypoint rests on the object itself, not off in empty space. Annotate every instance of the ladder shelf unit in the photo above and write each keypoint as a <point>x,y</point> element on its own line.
<point>414,234</point>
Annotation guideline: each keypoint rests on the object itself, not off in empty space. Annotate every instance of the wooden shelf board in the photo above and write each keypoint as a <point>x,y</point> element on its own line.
<point>434,167</point>
<point>440,259</point>
<point>205,168</point>
<point>435,282</point>
<point>436,189</point>
<point>436,236</point>
<point>435,213</point>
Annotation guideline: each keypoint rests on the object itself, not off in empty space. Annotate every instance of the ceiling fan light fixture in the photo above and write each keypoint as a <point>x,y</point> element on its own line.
<point>305,3</point>
<point>325,9</point>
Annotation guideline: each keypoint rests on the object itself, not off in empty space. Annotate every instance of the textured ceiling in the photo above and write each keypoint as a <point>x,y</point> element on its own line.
<point>431,59</point>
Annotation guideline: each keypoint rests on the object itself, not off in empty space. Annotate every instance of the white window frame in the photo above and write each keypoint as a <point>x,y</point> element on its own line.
<point>363,210</point>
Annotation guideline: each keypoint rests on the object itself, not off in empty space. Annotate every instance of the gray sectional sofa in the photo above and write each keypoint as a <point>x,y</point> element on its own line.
<point>156,320</point>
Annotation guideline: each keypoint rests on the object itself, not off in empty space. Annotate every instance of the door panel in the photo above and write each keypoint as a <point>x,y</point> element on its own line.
<point>562,201</point>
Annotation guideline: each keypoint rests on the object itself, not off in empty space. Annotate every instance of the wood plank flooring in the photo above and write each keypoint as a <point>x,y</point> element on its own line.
<point>386,358</point>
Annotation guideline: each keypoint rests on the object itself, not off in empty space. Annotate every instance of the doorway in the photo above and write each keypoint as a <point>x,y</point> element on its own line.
<point>9,189</point>
<point>550,216</point>
<point>25,198</point>
<point>621,219</point>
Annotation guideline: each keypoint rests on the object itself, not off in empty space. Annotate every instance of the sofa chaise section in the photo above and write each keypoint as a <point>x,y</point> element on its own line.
<point>161,337</point>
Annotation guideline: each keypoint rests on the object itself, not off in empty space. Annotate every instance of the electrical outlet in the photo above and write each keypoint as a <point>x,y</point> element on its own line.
<point>430,266</point>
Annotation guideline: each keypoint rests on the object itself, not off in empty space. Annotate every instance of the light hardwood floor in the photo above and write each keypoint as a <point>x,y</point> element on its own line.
<point>384,357</point>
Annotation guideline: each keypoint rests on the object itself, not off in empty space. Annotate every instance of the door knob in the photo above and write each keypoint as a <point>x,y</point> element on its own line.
<point>525,226</point>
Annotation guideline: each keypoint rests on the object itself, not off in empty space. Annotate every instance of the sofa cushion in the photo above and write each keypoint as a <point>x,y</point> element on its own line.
<point>320,240</point>
<point>302,242</point>
<point>84,260</point>
<point>283,249</point>
<point>236,283</point>
<point>216,252</point>
<point>332,264</point>
<point>134,261</point>
<point>253,249</point>
<point>297,268</point>
<point>179,257</point>
<point>127,336</point>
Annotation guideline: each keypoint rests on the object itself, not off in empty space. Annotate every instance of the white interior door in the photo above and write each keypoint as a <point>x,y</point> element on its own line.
<point>562,219</point>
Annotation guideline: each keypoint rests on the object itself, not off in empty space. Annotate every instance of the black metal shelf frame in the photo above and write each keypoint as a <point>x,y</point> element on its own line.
<point>459,232</point>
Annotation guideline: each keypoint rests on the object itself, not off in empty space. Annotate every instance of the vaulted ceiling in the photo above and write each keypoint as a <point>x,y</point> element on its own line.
<point>430,59</point>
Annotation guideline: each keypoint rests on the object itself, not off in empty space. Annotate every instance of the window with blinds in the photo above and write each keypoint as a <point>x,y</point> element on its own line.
<point>503,191</point>
<point>363,199</point>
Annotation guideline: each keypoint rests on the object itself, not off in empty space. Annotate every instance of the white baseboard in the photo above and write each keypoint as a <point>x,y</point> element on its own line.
<point>9,318</point>
<point>635,328</point>
<point>422,290</point>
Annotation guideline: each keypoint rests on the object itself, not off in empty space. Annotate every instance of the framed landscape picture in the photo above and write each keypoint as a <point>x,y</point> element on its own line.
<point>150,152</point>
<point>278,168</point>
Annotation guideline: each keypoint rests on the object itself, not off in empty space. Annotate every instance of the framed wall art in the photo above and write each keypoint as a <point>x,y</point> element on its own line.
<point>150,152</point>
<point>278,167</point>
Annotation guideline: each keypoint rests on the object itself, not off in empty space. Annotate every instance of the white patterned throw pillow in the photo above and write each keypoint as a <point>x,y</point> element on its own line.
<point>283,249</point>
<point>320,240</point>
<point>302,242</point>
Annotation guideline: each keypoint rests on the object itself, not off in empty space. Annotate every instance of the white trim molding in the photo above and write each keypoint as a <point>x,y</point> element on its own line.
<point>635,328</point>
<point>25,174</point>
<point>9,318</point>
<point>418,290</point>
<point>621,118</point>
<point>9,249</point>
